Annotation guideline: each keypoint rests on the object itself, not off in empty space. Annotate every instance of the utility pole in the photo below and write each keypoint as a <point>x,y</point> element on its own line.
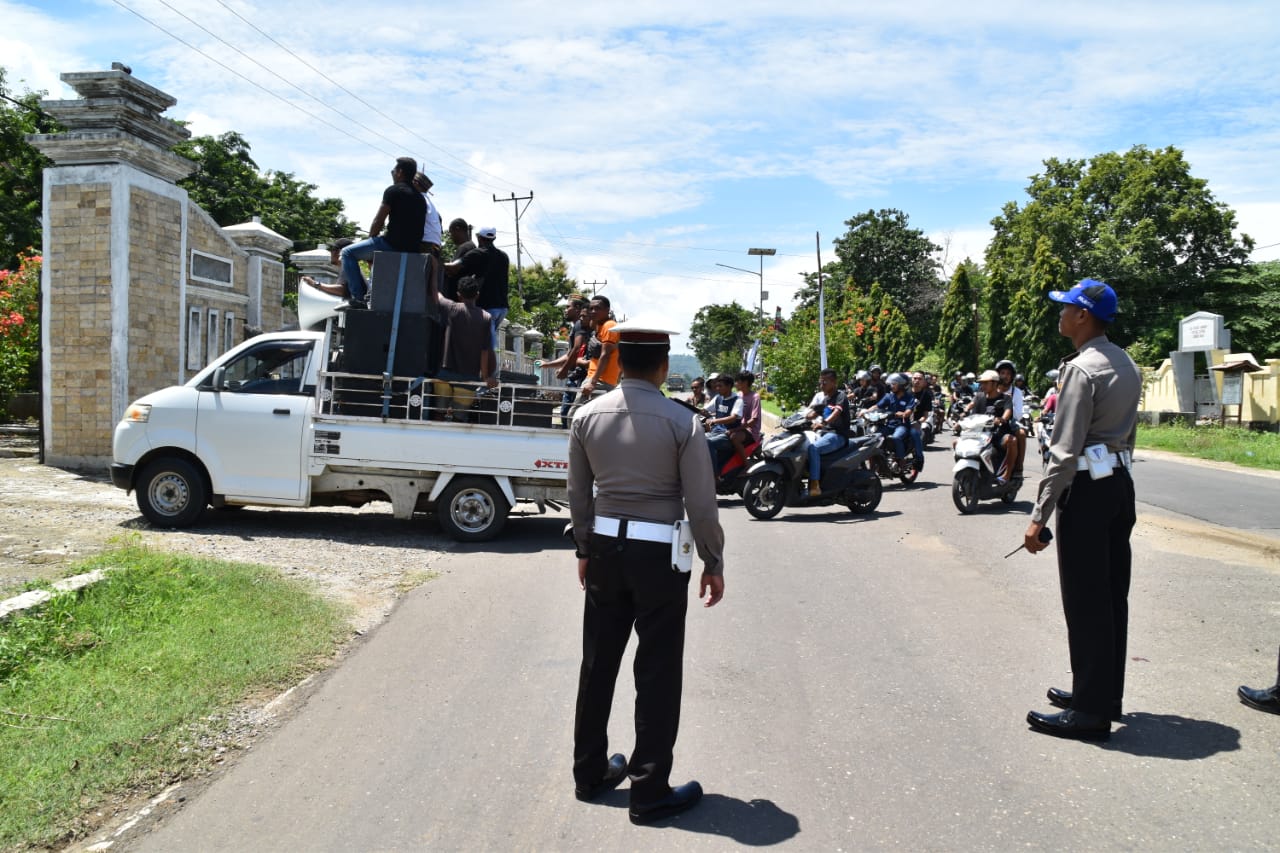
<point>592,285</point>
<point>515,202</point>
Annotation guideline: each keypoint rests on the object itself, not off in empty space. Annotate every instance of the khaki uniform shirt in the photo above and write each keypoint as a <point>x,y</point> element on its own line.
<point>647,458</point>
<point>1098,404</point>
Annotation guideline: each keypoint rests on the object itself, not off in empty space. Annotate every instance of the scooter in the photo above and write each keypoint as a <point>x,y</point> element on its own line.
<point>887,465</point>
<point>978,459</point>
<point>778,480</point>
<point>732,477</point>
<point>1044,435</point>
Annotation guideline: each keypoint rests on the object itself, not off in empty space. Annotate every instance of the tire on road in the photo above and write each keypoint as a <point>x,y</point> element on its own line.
<point>864,496</point>
<point>964,490</point>
<point>171,492</point>
<point>764,495</point>
<point>472,509</point>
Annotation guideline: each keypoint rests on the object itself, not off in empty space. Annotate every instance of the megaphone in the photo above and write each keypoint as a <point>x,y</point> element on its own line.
<point>315,306</point>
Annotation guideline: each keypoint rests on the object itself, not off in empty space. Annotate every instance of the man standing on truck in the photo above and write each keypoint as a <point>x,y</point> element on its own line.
<point>408,212</point>
<point>637,463</point>
<point>468,355</point>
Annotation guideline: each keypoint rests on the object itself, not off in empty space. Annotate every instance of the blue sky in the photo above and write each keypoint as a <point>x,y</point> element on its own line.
<point>662,138</point>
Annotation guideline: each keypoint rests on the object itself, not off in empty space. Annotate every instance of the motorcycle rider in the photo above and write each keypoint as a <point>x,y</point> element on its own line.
<point>990,400</point>
<point>722,418</point>
<point>923,411</point>
<point>829,412</point>
<point>900,403</point>
<point>865,393</point>
<point>1008,372</point>
<point>877,381</point>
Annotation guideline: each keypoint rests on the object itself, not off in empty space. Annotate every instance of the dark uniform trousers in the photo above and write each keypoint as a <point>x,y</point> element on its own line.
<point>631,583</point>
<point>1095,518</point>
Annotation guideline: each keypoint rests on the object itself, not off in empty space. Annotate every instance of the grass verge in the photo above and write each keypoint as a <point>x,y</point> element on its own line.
<point>120,685</point>
<point>1221,444</point>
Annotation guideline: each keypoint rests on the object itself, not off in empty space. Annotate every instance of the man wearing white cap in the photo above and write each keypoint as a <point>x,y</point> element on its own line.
<point>1088,482</point>
<point>637,463</point>
<point>492,267</point>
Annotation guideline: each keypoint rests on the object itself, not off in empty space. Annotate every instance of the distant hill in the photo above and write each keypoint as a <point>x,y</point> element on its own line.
<point>686,364</point>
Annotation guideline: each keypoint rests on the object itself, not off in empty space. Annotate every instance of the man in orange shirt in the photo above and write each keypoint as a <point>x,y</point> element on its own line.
<point>603,368</point>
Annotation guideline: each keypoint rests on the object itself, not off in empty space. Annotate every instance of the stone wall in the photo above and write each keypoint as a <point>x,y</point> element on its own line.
<point>78,315</point>
<point>155,304</point>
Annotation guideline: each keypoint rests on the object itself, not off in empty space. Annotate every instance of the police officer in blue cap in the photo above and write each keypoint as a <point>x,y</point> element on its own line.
<point>1088,481</point>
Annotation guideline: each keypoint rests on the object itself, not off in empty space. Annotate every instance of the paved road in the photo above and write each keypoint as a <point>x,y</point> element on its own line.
<point>862,687</point>
<point>1230,497</point>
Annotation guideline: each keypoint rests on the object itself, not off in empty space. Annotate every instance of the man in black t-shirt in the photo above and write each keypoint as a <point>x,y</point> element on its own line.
<point>490,265</point>
<point>408,212</point>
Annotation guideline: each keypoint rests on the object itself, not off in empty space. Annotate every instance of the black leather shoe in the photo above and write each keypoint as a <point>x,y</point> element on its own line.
<point>1264,700</point>
<point>1071,724</point>
<point>680,799</point>
<point>1062,699</point>
<point>613,775</point>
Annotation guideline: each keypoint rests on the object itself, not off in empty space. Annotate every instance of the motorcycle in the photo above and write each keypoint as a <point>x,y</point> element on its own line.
<point>732,477</point>
<point>1044,434</point>
<point>776,480</point>
<point>887,465</point>
<point>978,459</point>
<point>955,412</point>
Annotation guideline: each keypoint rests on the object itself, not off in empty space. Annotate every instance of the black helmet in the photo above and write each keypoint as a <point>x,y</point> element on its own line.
<point>875,368</point>
<point>1003,363</point>
<point>1019,378</point>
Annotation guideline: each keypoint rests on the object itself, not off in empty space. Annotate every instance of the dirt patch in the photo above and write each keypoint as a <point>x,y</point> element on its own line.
<point>52,517</point>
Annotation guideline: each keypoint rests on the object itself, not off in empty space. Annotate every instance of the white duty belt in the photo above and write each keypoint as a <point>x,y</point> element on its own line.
<point>1124,458</point>
<point>645,531</point>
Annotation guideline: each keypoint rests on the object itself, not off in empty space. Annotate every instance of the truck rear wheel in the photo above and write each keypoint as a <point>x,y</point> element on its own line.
<point>171,492</point>
<point>472,509</point>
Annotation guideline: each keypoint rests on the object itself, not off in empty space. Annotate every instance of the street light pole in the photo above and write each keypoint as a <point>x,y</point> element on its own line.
<point>762,253</point>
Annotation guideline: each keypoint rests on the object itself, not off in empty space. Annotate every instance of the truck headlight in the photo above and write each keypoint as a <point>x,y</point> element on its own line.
<point>138,413</point>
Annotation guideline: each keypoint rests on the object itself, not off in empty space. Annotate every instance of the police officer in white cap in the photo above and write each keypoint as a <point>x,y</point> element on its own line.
<point>638,463</point>
<point>1088,482</point>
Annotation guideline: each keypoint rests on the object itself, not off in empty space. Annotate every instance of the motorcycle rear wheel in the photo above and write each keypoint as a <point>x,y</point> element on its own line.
<point>764,495</point>
<point>964,491</point>
<point>864,496</point>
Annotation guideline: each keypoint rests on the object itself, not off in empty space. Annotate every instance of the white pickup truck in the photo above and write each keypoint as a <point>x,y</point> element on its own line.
<point>272,423</point>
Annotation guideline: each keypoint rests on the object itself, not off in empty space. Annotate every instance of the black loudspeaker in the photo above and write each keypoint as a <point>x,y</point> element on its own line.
<point>386,276</point>
<point>367,340</point>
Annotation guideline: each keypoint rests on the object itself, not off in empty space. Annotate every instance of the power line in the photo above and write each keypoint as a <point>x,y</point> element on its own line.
<point>371,106</point>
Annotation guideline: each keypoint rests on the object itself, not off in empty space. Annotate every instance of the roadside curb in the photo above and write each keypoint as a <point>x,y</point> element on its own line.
<point>39,596</point>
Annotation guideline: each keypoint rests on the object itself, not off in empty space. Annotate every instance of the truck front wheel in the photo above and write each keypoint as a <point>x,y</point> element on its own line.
<point>472,509</point>
<point>171,492</point>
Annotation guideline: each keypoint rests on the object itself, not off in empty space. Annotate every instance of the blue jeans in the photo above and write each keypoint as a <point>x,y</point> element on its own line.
<point>917,439</point>
<point>496,316</point>
<point>720,447</point>
<point>899,446</point>
<point>566,400</point>
<point>828,442</point>
<point>351,258</point>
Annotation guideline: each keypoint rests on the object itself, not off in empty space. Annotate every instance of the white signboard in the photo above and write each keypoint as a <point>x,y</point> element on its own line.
<point>1232,389</point>
<point>1201,332</point>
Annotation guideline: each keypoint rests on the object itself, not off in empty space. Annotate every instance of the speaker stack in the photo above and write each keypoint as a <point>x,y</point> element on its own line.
<point>366,342</point>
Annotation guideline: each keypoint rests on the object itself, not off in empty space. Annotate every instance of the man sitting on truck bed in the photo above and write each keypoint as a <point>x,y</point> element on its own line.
<point>468,349</point>
<point>408,214</point>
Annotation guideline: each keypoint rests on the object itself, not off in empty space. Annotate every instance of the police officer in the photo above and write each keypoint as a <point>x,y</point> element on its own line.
<point>1089,483</point>
<point>647,458</point>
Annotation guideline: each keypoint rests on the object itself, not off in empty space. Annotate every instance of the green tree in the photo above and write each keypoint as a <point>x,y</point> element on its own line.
<point>957,334</point>
<point>1249,299</point>
<point>881,247</point>
<point>720,334</point>
<point>231,189</point>
<point>1138,220</point>
<point>21,167</point>
<point>1034,343</point>
<point>544,288</point>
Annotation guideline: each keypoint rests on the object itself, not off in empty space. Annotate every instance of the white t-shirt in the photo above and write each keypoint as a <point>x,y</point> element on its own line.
<point>1017,402</point>
<point>432,232</point>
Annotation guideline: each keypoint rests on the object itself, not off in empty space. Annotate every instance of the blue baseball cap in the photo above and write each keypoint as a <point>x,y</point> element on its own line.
<point>1096,297</point>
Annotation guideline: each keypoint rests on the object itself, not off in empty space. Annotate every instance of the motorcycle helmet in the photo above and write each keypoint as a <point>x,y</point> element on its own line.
<point>1003,363</point>
<point>861,375</point>
<point>969,377</point>
<point>875,368</point>
<point>1019,378</point>
<point>1052,374</point>
<point>898,379</point>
